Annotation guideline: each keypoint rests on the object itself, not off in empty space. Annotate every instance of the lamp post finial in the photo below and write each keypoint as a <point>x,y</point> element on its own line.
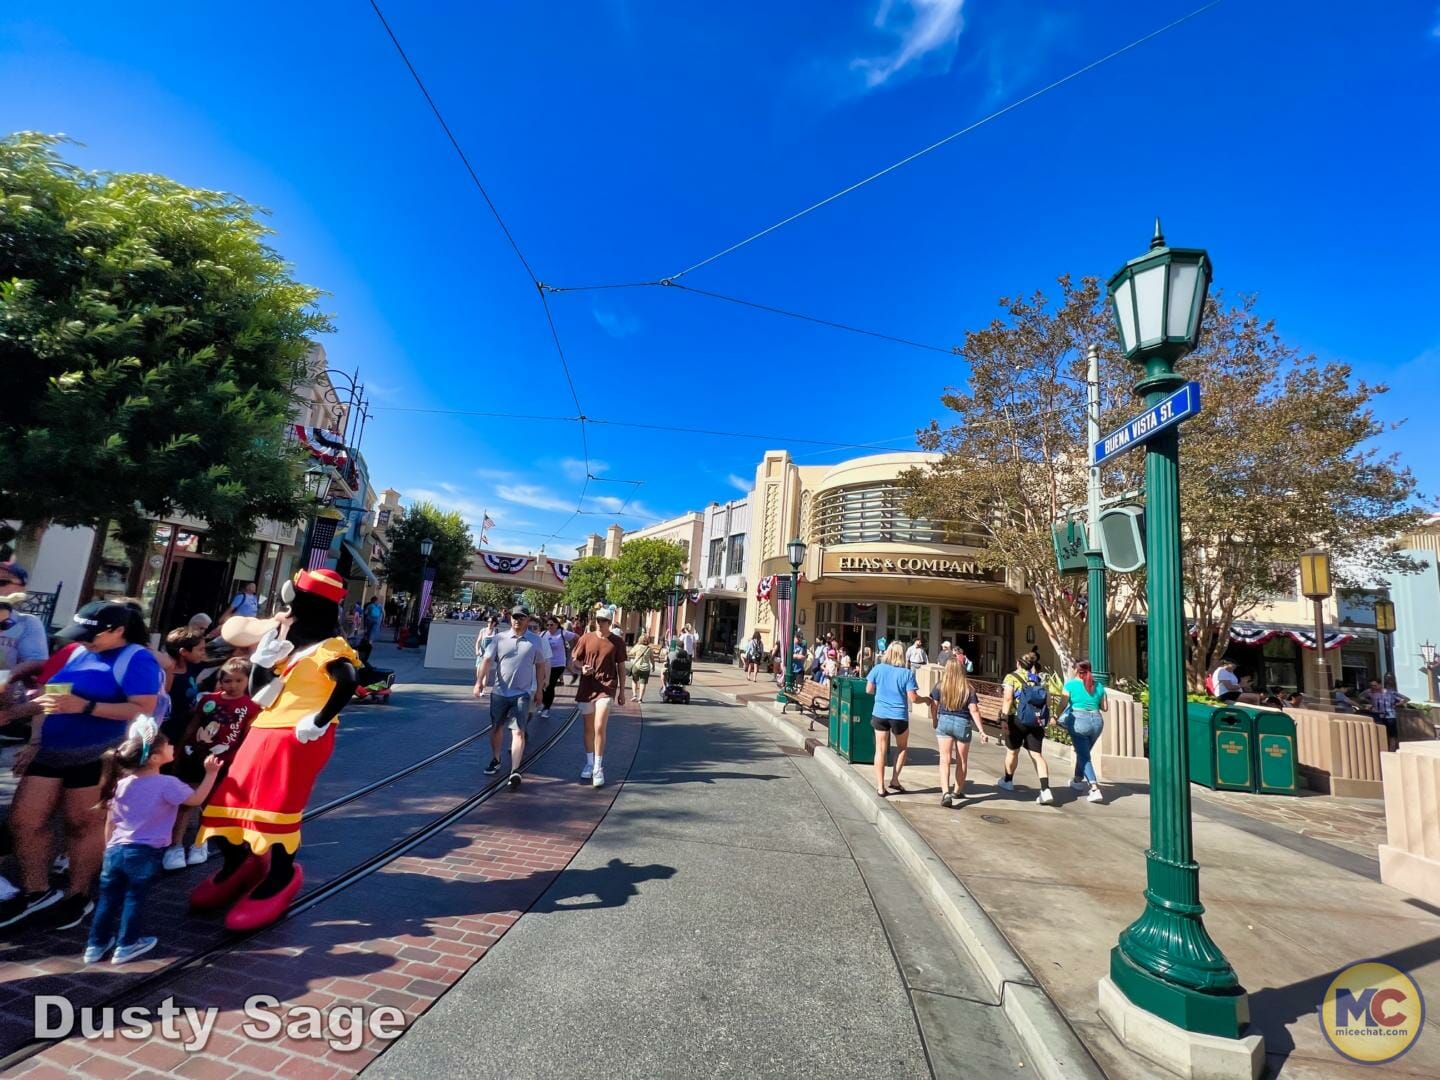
<point>1158,240</point>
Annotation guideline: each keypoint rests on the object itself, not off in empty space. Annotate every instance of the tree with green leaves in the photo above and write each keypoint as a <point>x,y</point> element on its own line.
<point>644,574</point>
<point>151,342</point>
<point>491,594</point>
<point>588,584</point>
<point>538,602</point>
<point>1281,460</point>
<point>450,556</point>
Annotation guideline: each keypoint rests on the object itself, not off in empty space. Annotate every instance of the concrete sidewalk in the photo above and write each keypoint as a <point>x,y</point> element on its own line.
<point>1289,908</point>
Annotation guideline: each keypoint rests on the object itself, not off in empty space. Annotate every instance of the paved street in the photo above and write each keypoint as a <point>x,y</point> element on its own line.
<point>1291,890</point>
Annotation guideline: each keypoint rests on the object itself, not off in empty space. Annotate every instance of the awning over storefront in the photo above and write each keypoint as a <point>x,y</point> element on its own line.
<point>358,561</point>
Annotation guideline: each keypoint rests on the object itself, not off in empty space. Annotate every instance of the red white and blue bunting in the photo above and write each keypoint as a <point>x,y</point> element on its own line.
<point>561,570</point>
<point>1251,634</point>
<point>765,587</point>
<point>325,446</point>
<point>695,596</point>
<point>505,564</point>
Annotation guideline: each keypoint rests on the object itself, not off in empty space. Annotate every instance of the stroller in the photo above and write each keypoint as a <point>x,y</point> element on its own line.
<point>677,677</point>
<point>374,683</point>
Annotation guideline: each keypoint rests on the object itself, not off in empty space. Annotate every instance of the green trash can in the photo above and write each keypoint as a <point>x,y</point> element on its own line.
<point>1277,772</point>
<point>856,742</point>
<point>1222,746</point>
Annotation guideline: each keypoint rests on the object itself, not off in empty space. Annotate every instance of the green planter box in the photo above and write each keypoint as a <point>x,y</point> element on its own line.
<point>1222,746</point>
<point>1276,770</point>
<point>851,708</point>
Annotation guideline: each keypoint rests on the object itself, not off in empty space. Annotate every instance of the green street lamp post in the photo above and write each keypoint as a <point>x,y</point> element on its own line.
<point>796,550</point>
<point>1096,602</point>
<point>676,593</point>
<point>1165,962</point>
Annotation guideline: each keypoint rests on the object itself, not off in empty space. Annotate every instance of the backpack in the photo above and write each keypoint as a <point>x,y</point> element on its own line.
<point>1032,705</point>
<point>753,650</point>
<point>1210,684</point>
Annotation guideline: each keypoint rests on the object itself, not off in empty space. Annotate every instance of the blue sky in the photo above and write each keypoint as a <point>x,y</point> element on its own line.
<point>626,140</point>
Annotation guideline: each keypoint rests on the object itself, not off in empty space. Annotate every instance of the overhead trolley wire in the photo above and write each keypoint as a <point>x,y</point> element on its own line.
<point>947,139</point>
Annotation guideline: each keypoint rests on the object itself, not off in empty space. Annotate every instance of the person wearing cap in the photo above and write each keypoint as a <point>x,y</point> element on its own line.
<point>599,656</point>
<point>521,665</point>
<point>23,645</point>
<point>90,701</point>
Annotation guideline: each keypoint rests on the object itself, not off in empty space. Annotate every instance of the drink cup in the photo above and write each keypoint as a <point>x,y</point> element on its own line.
<point>59,688</point>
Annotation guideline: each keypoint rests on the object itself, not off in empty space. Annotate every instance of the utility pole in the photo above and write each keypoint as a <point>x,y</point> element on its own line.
<point>1096,605</point>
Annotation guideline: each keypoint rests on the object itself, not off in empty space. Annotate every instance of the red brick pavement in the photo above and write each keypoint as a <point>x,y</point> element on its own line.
<point>400,937</point>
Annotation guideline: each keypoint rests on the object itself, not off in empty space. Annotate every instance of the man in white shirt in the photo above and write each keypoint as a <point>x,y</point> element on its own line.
<point>1226,686</point>
<point>689,640</point>
<point>521,662</point>
<point>915,655</point>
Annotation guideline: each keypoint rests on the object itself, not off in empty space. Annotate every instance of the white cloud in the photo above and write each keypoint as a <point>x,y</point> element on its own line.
<point>449,497</point>
<point>739,483</point>
<point>612,504</point>
<point>932,28</point>
<point>534,496</point>
<point>615,323</point>
<point>574,468</point>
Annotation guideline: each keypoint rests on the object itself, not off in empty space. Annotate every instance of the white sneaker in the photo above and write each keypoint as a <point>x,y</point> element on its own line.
<point>598,778</point>
<point>1079,785</point>
<point>125,953</point>
<point>1005,785</point>
<point>1046,797</point>
<point>1095,795</point>
<point>198,854</point>
<point>587,772</point>
<point>174,858</point>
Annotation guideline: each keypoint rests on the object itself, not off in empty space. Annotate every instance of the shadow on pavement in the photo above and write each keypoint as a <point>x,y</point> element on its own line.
<point>612,885</point>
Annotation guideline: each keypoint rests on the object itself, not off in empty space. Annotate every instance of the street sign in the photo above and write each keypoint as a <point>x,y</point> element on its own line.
<point>1070,545</point>
<point>1122,538</point>
<point>1181,405</point>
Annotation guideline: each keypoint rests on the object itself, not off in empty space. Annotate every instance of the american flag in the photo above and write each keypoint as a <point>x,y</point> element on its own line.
<point>425,589</point>
<point>783,602</point>
<point>320,538</point>
<point>488,523</point>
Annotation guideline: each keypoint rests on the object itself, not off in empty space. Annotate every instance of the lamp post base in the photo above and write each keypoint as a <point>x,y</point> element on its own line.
<point>1187,1053</point>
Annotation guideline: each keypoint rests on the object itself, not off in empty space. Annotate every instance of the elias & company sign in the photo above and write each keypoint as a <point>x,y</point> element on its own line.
<point>936,566</point>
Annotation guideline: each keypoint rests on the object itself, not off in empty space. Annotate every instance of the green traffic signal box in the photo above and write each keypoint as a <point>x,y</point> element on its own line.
<point>1222,746</point>
<point>855,741</point>
<point>1277,772</point>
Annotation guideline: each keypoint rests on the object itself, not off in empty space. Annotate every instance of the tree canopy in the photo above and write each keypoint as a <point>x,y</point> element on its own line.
<point>450,556</point>
<point>151,342</point>
<point>491,594</point>
<point>587,584</point>
<point>644,574</point>
<point>1280,460</point>
<point>538,602</point>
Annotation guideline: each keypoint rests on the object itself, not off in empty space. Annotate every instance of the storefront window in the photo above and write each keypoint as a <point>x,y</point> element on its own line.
<point>909,621</point>
<point>247,567</point>
<point>155,568</point>
<point>1281,657</point>
<point>983,636</point>
<point>114,572</point>
<point>874,512</point>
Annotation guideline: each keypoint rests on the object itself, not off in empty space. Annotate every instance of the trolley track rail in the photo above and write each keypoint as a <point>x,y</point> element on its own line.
<point>312,898</point>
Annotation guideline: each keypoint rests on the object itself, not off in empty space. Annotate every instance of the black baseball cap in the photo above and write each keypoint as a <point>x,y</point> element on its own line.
<point>94,618</point>
<point>520,609</point>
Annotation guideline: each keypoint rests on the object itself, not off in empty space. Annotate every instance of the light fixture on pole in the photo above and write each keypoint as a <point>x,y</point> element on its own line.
<point>318,479</point>
<point>1315,586</point>
<point>1427,654</point>
<point>1385,626</point>
<point>422,595</point>
<point>1165,964</point>
<point>796,551</point>
<point>676,592</point>
<point>426,547</point>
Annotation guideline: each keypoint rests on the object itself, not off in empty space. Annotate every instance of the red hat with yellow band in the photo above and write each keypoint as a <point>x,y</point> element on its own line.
<point>326,583</point>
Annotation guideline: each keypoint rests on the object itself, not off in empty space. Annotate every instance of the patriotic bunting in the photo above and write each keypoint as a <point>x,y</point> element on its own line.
<point>561,570</point>
<point>1251,634</point>
<point>505,564</point>
<point>325,446</point>
<point>695,596</point>
<point>765,587</point>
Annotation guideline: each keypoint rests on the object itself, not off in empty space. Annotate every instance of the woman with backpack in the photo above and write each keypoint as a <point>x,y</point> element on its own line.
<point>1026,712</point>
<point>1087,704</point>
<point>754,652</point>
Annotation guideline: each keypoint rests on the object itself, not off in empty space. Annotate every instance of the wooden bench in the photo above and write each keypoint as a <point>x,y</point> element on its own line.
<point>810,697</point>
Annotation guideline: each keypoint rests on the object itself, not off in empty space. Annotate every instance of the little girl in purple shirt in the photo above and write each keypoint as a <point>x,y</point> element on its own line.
<point>143,803</point>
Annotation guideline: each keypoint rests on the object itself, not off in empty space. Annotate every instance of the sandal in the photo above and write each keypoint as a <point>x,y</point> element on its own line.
<point>895,786</point>
<point>882,793</point>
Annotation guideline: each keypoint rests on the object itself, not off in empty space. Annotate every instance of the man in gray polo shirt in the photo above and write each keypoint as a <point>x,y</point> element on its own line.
<point>521,665</point>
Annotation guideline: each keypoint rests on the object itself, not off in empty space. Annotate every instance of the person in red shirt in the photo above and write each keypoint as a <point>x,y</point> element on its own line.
<point>599,656</point>
<point>217,725</point>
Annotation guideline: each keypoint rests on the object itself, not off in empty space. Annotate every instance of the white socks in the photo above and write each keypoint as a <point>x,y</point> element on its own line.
<point>597,760</point>
<point>589,760</point>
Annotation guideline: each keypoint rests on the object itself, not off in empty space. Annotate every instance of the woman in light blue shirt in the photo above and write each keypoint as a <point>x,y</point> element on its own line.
<point>894,686</point>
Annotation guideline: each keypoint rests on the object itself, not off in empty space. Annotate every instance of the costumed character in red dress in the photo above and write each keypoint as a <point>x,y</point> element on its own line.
<point>303,673</point>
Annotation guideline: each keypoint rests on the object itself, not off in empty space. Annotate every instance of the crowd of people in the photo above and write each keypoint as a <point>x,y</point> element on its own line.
<point>121,744</point>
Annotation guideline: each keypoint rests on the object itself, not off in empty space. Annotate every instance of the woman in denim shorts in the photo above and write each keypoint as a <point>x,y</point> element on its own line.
<point>955,712</point>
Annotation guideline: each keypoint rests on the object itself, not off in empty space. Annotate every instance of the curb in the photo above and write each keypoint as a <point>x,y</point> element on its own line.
<point>1055,1051</point>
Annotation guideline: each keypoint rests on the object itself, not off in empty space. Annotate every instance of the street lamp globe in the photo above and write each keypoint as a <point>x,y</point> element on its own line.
<point>1158,300</point>
<point>1427,654</point>
<point>317,483</point>
<point>1315,574</point>
<point>426,547</point>
<point>796,549</point>
<point>679,580</point>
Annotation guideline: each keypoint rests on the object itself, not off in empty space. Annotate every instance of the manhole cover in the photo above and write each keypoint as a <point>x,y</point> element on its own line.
<point>995,819</point>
